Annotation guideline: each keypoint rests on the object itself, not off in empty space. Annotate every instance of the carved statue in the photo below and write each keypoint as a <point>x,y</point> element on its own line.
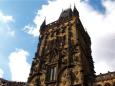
<point>36,66</point>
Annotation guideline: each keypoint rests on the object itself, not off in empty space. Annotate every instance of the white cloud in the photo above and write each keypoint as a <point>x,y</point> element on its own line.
<point>5,18</point>
<point>99,26</point>
<point>1,73</point>
<point>31,30</point>
<point>102,66</point>
<point>51,12</point>
<point>5,25</point>
<point>18,65</point>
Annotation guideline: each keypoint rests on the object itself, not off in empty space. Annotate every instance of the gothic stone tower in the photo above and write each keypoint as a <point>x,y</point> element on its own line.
<point>63,56</point>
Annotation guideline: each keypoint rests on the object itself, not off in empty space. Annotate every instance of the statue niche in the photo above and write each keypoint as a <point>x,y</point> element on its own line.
<point>63,54</point>
<point>53,56</point>
<point>36,66</point>
<point>73,54</point>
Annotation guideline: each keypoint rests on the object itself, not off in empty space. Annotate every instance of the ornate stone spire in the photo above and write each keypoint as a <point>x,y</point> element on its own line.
<point>75,11</point>
<point>43,25</point>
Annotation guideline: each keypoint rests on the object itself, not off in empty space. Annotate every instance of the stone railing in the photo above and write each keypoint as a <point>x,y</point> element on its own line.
<point>106,76</point>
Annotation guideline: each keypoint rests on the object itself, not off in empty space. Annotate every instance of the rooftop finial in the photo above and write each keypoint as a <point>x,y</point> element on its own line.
<point>43,25</point>
<point>75,11</point>
<point>45,19</point>
<point>74,5</point>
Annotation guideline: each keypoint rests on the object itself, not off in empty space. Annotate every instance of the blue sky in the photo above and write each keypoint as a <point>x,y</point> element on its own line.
<point>19,30</point>
<point>23,12</point>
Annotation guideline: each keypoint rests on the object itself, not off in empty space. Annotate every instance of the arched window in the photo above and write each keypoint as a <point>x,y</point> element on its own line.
<point>107,84</point>
<point>51,73</point>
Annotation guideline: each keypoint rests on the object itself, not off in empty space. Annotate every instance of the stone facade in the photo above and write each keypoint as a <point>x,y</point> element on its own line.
<point>4,82</point>
<point>107,79</point>
<point>63,56</point>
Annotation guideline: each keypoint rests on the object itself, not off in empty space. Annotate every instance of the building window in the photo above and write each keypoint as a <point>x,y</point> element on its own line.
<point>52,73</point>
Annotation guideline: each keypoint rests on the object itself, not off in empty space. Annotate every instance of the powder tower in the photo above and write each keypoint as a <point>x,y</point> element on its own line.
<point>63,56</point>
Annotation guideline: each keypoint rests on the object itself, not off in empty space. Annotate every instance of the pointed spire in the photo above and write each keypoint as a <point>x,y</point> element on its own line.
<point>75,11</point>
<point>74,5</point>
<point>43,25</point>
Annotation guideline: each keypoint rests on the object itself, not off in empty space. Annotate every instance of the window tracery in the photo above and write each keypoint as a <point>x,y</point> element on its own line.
<point>51,73</point>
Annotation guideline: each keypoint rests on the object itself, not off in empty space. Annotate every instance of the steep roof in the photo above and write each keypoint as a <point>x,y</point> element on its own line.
<point>66,13</point>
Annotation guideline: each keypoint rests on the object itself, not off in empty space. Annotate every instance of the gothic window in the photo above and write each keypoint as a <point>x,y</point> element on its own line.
<point>55,73</point>
<point>52,73</point>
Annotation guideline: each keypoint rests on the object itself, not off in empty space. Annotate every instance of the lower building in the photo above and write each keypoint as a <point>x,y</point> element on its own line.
<point>4,82</point>
<point>107,79</point>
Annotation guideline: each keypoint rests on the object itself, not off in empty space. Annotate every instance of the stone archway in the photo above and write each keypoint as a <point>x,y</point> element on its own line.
<point>107,84</point>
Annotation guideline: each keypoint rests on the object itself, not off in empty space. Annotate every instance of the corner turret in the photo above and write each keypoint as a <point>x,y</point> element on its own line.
<point>43,26</point>
<point>75,11</point>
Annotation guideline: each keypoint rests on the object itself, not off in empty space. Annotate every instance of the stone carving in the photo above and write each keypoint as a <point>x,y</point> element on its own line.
<point>36,66</point>
<point>68,78</point>
<point>53,56</point>
<point>42,79</point>
<point>64,79</point>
